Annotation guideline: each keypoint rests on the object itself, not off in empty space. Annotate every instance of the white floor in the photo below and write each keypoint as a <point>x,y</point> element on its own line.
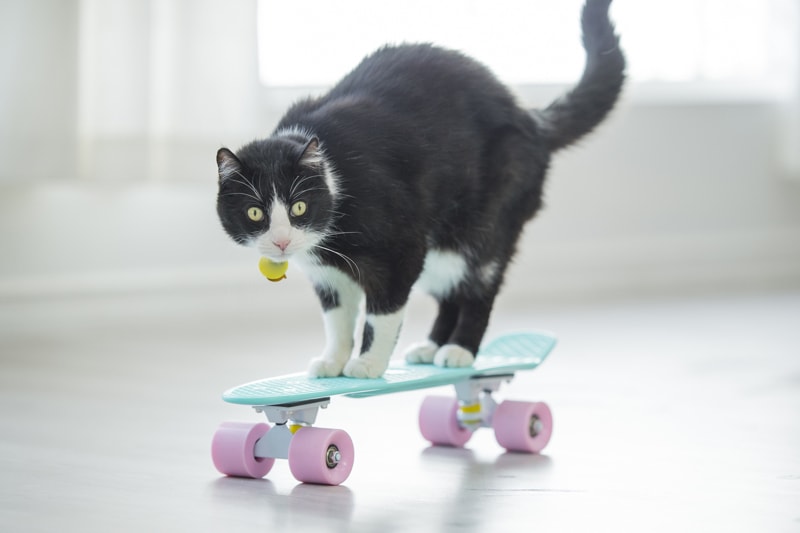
<point>670,415</point>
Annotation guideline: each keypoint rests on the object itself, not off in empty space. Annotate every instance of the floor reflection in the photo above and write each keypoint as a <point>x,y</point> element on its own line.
<point>481,478</point>
<point>304,506</point>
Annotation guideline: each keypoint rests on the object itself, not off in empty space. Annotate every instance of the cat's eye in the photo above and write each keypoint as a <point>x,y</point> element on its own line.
<point>255,214</point>
<point>299,208</point>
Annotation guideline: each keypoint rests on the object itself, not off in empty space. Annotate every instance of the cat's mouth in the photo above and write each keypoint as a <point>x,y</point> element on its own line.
<point>282,247</point>
<point>278,249</point>
<point>276,256</point>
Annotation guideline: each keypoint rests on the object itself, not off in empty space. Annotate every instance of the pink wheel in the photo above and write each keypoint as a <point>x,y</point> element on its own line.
<point>438,422</point>
<point>323,456</point>
<point>233,446</point>
<point>523,426</point>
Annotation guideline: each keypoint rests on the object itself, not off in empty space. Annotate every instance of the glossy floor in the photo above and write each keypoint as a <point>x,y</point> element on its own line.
<point>671,415</point>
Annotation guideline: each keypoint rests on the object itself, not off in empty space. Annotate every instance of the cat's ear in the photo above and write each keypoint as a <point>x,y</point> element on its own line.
<point>312,155</point>
<point>228,164</point>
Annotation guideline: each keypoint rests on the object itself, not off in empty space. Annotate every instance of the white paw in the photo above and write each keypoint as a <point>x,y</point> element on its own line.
<point>322,367</point>
<point>453,356</point>
<point>421,352</point>
<point>365,367</point>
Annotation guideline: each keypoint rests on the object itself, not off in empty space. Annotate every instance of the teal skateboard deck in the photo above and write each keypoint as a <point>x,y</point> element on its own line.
<point>325,456</point>
<point>504,355</point>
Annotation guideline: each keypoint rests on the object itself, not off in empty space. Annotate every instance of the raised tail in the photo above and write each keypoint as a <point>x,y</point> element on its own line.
<point>576,113</point>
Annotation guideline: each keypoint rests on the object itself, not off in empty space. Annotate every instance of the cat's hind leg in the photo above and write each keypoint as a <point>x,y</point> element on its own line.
<point>453,356</point>
<point>464,341</point>
<point>424,352</point>
<point>457,332</point>
<point>421,352</point>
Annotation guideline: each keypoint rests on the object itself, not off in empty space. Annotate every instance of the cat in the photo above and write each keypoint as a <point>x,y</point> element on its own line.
<point>417,169</point>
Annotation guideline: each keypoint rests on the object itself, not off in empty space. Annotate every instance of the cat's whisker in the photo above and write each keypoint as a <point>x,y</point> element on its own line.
<point>241,238</point>
<point>304,191</point>
<point>336,233</point>
<point>260,182</point>
<point>352,264</point>
<point>296,183</point>
<point>244,181</point>
<point>293,185</point>
<point>255,194</point>
<point>241,194</point>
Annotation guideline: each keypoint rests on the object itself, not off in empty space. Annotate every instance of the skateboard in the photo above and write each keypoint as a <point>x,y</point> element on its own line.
<point>325,456</point>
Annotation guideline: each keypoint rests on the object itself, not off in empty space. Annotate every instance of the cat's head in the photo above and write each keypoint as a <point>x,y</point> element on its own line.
<point>277,195</point>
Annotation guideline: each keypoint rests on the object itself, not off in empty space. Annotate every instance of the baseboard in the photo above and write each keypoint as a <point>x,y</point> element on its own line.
<point>659,264</point>
<point>574,270</point>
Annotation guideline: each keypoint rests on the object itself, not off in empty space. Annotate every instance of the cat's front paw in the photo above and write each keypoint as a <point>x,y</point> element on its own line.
<point>365,367</point>
<point>453,356</point>
<point>421,352</point>
<point>322,367</point>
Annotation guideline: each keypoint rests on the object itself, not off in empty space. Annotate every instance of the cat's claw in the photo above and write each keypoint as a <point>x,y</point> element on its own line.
<point>453,356</point>
<point>421,352</point>
<point>364,367</point>
<point>322,367</point>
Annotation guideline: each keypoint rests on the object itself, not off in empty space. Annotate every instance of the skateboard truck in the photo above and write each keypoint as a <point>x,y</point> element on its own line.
<point>288,419</point>
<point>476,406</point>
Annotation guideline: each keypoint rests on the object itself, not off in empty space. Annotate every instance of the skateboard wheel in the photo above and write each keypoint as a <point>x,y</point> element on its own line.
<point>438,422</point>
<point>322,456</point>
<point>233,449</point>
<point>523,426</point>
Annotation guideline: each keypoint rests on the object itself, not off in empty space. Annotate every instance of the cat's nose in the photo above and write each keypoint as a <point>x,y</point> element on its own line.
<point>282,244</point>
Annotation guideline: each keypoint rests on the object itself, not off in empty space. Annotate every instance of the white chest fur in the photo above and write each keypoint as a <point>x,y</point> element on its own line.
<point>442,272</point>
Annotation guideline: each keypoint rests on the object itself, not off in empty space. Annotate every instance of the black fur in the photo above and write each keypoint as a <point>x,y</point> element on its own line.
<point>368,337</point>
<point>431,153</point>
<point>328,297</point>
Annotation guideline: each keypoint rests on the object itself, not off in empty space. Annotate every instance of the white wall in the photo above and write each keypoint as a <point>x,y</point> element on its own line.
<point>665,196</point>
<point>661,197</point>
<point>38,88</point>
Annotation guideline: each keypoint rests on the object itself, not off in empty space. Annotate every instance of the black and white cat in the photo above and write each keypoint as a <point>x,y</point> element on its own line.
<point>418,168</point>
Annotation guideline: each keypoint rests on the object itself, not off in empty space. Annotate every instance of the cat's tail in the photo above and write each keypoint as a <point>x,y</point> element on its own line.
<point>576,113</point>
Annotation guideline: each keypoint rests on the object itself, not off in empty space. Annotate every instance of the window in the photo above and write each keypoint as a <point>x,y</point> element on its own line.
<point>313,43</point>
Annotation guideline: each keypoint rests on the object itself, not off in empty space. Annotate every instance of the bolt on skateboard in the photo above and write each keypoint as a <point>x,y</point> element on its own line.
<point>325,456</point>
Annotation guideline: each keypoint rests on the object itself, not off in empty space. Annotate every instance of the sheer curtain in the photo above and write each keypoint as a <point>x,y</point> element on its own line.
<point>124,89</point>
<point>161,80</point>
<point>790,153</point>
<point>38,86</point>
